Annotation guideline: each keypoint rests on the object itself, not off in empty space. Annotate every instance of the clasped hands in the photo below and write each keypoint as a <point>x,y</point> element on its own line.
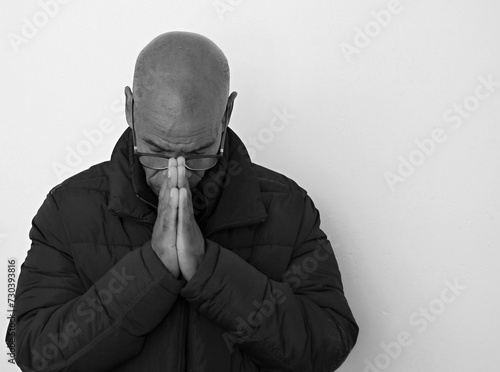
<point>177,239</point>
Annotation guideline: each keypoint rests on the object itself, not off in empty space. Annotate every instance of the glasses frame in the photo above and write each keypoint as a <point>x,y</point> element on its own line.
<point>219,155</point>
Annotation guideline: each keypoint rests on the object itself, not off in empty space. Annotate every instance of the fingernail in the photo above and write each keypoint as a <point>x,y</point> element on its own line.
<point>171,193</point>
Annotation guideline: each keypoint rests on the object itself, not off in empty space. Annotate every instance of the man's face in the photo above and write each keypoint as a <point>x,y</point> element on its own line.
<point>177,134</point>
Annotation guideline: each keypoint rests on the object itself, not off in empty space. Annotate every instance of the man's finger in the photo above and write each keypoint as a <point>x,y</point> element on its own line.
<point>181,172</point>
<point>172,173</point>
<point>170,221</point>
<point>184,212</point>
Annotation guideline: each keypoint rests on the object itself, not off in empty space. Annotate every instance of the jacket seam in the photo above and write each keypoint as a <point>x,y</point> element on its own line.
<point>62,222</point>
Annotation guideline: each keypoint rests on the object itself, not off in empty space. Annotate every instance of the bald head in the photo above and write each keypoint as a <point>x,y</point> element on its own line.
<point>182,73</point>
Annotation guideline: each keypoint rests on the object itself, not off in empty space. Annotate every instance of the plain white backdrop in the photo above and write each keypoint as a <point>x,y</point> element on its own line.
<point>390,114</point>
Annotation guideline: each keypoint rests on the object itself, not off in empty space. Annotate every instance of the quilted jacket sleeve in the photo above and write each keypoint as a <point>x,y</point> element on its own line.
<point>302,323</point>
<point>62,326</point>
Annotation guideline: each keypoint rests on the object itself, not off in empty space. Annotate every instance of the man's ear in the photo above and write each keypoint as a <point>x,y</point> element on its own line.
<point>129,99</point>
<point>229,107</point>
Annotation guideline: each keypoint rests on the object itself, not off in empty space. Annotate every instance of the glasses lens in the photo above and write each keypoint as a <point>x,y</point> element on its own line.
<point>201,163</point>
<point>156,162</point>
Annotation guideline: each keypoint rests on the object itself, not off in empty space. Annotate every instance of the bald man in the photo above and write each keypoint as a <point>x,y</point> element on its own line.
<point>180,254</point>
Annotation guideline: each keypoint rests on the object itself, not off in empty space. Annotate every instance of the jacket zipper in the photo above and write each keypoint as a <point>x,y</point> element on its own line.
<point>145,201</point>
<point>134,218</point>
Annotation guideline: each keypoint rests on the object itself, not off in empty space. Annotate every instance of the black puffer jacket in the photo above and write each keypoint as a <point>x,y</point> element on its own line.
<point>93,296</point>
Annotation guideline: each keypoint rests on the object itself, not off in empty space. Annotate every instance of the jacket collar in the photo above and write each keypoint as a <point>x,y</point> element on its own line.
<point>238,202</point>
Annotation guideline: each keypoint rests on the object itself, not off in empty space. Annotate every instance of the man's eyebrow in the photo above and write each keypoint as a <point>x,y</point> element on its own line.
<point>205,146</point>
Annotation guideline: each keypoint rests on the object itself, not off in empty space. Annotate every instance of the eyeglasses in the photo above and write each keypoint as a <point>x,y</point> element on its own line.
<point>193,162</point>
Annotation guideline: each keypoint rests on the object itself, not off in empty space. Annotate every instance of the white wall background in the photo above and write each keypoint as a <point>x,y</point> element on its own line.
<point>355,116</point>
